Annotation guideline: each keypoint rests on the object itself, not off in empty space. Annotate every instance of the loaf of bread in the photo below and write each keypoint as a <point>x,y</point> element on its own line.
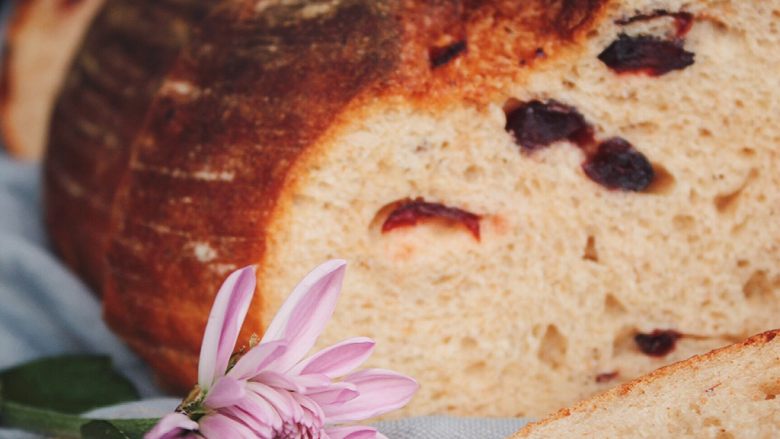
<point>41,40</point>
<point>538,199</point>
<point>728,393</point>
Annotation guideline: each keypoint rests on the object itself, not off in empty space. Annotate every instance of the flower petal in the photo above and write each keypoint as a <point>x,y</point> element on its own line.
<point>312,412</point>
<point>351,432</point>
<point>381,391</point>
<point>330,386</point>
<point>260,409</point>
<point>225,392</point>
<point>336,393</point>
<point>285,405</point>
<point>311,381</point>
<point>170,426</point>
<point>224,323</point>
<point>254,361</point>
<point>278,380</point>
<point>305,313</point>
<point>217,426</point>
<point>338,359</point>
<point>258,427</point>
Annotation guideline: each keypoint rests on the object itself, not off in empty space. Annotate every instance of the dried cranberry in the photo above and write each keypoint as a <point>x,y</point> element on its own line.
<point>606,377</point>
<point>442,55</point>
<point>658,343</point>
<point>410,212</point>
<point>537,124</point>
<point>683,21</point>
<point>645,54</point>
<point>617,165</point>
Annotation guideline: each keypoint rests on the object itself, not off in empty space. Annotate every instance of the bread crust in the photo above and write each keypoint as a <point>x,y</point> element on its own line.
<point>641,383</point>
<point>125,55</point>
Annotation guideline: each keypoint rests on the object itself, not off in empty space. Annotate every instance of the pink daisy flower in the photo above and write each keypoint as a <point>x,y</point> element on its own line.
<point>271,391</point>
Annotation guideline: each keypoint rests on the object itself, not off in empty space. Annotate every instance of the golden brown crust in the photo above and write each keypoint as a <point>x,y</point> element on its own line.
<point>504,39</point>
<point>643,382</point>
<point>124,57</point>
<point>232,126</point>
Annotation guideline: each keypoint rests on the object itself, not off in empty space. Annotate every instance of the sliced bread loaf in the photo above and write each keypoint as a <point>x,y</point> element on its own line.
<point>538,199</point>
<point>728,393</point>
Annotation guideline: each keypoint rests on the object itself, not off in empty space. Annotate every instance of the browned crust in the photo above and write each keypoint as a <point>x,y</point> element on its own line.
<point>212,168</point>
<point>124,57</point>
<point>637,385</point>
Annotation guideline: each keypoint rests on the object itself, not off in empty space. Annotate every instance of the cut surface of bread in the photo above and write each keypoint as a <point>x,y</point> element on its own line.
<point>727,393</point>
<point>535,206</point>
<point>42,38</point>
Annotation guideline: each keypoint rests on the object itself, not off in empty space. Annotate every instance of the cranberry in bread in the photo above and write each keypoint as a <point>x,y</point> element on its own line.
<point>538,199</point>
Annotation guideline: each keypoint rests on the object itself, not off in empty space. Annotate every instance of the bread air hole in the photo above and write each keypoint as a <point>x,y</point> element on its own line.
<point>476,368</point>
<point>441,55</point>
<point>623,342</point>
<point>612,306</point>
<point>760,288</point>
<point>663,182</point>
<point>770,390</point>
<point>727,202</point>
<point>683,223</point>
<point>590,253</point>
<point>468,343</point>
<point>553,346</point>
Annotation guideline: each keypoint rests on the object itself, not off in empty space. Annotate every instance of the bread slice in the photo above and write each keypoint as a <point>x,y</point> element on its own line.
<point>470,159</point>
<point>42,38</point>
<point>727,393</point>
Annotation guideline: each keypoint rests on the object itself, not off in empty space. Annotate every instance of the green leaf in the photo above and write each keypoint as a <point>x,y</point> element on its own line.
<point>68,384</point>
<point>101,430</point>
<point>117,428</point>
<point>40,420</point>
<point>72,426</point>
<point>47,395</point>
